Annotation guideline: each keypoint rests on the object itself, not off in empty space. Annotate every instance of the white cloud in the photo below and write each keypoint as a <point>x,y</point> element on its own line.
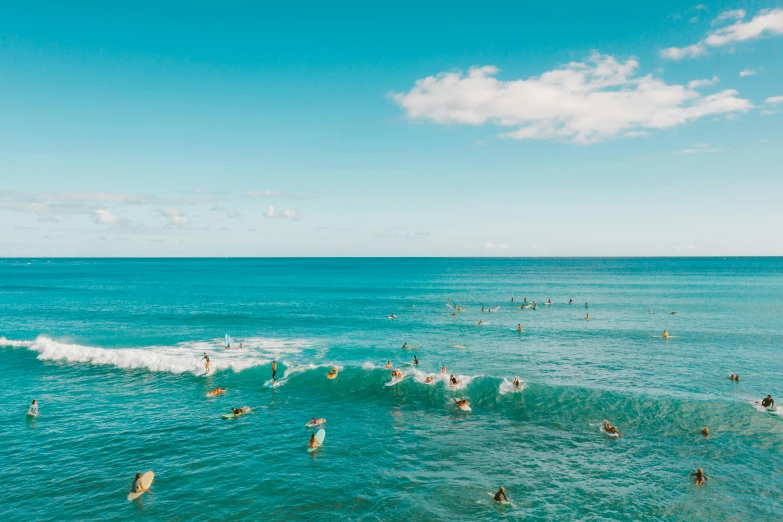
<point>581,102</point>
<point>175,216</point>
<point>748,72</point>
<point>231,214</point>
<point>493,246</point>
<point>766,23</point>
<point>698,148</point>
<point>695,84</point>
<point>772,100</point>
<point>104,217</point>
<point>289,214</point>
<point>271,194</point>
<point>737,14</point>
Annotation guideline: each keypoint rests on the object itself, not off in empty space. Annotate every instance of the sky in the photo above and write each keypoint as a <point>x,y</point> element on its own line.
<point>398,129</point>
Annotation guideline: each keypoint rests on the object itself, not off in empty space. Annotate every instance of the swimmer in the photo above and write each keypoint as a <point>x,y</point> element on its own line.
<point>429,380</point>
<point>314,443</point>
<point>608,428</point>
<point>462,401</point>
<point>767,402</point>
<point>587,305</point>
<point>274,371</point>
<point>453,380</point>
<point>442,369</point>
<point>701,478</point>
<point>136,487</point>
<point>517,383</point>
<point>206,364</point>
<point>388,365</point>
<point>415,360</point>
<point>500,496</point>
<point>706,432</point>
<point>519,327</point>
<point>404,346</point>
<point>392,316</point>
<point>482,308</point>
<point>665,334</point>
<point>587,317</point>
<point>734,378</point>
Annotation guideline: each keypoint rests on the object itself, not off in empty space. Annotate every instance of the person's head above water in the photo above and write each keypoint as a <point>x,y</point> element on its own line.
<point>33,401</point>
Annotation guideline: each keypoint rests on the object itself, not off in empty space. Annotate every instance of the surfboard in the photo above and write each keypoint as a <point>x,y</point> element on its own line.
<point>494,309</point>
<point>313,425</point>
<point>331,376</point>
<point>502,502</point>
<point>319,437</point>
<point>431,383</point>
<point>146,482</point>
<point>460,347</point>
<point>215,394</point>
<point>465,407</point>
<point>31,415</point>
<point>612,435</point>
<point>233,415</point>
<point>393,382</point>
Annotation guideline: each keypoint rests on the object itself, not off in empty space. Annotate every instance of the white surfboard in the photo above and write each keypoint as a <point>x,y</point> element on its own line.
<point>314,424</point>
<point>319,437</point>
<point>608,434</point>
<point>503,502</point>
<point>464,407</point>
<point>393,382</point>
<point>494,309</point>
<point>146,482</point>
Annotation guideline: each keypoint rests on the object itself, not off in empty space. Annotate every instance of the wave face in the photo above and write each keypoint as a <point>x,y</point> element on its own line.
<point>112,352</point>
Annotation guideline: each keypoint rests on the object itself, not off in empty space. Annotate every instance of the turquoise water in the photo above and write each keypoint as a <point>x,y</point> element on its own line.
<point>111,349</point>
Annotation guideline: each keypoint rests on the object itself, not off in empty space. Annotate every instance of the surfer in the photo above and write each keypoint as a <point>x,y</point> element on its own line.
<point>517,383</point>
<point>587,317</point>
<point>734,378</point>
<point>454,315</point>
<point>706,432</point>
<point>608,428</point>
<point>459,308</point>
<point>482,308</point>
<point>500,496</point>
<point>428,380</point>
<point>512,299</point>
<point>665,334</point>
<point>479,323</point>
<point>217,391</point>
<point>461,402</point>
<point>404,346</point>
<point>274,371</point>
<point>240,346</point>
<point>396,375</point>
<point>519,327</point>
<point>701,478</point>
<point>442,369</point>
<point>314,422</point>
<point>33,408</point>
<point>649,311</point>
<point>388,365</point>
<point>524,301</point>
<point>332,373</point>
<point>415,360</point>
<point>392,316</point>
<point>453,380</point>
<point>768,402</point>
<point>313,442</point>
<point>548,301</point>
<point>570,301</point>
<point>206,364</point>
<point>136,487</point>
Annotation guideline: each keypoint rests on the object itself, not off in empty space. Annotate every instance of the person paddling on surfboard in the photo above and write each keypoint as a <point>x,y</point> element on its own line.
<point>428,380</point>
<point>136,487</point>
<point>404,346</point>
<point>519,327</point>
<point>767,402</point>
<point>206,364</point>
<point>701,478</point>
<point>611,429</point>
<point>500,496</point>
<point>453,380</point>
<point>462,401</point>
<point>33,408</point>
<point>392,316</point>
<point>274,371</point>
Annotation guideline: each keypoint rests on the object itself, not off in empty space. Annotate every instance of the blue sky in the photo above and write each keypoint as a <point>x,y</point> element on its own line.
<point>512,129</point>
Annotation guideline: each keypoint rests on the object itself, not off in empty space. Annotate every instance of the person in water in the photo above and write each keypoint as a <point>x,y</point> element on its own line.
<point>313,442</point>
<point>479,323</point>
<point>415,360</point>
<point>608,428</point>
<point>240,346</point>
<point>587,317</point>
<point>428,380</point>
<point>517,383</point>
<point>548,301</point>
<point>274,371</point>
<point>512,299</point>
<point>33,408</point>
<point>649,311</point>
<point>768,402</point>
<point>734,377</point>
<point>500,496</point>
<point>570,301</point>
<point>524,301</point>
<point>217,391</point>
<point>454,315</point>
<point>404,346</point>
<point>333,372</point>
<point>462,401</point>
<point>442,369</point>
<point>482,308</point>
<point>388,365</point>
<point>519,327</point>
<point>453,380</point>
<point>665,334</point>
<point>392,316</point>
<point>314,422</point>
<point>206,364</point>
<point>706,432</point>
<point>701,478</point>
<point>136,487</point>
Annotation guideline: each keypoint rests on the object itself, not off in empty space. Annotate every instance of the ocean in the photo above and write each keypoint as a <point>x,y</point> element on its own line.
<point>111,349</point>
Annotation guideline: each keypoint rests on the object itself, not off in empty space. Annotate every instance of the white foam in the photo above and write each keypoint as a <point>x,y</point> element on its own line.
<point>180,358</point>
<point>15,344</point>
<point>367,365</point>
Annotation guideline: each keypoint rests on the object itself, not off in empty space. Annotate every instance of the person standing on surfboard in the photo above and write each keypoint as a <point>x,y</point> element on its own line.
<point>500,496</point>
<point>206,364</point>
<point>274,371</point>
